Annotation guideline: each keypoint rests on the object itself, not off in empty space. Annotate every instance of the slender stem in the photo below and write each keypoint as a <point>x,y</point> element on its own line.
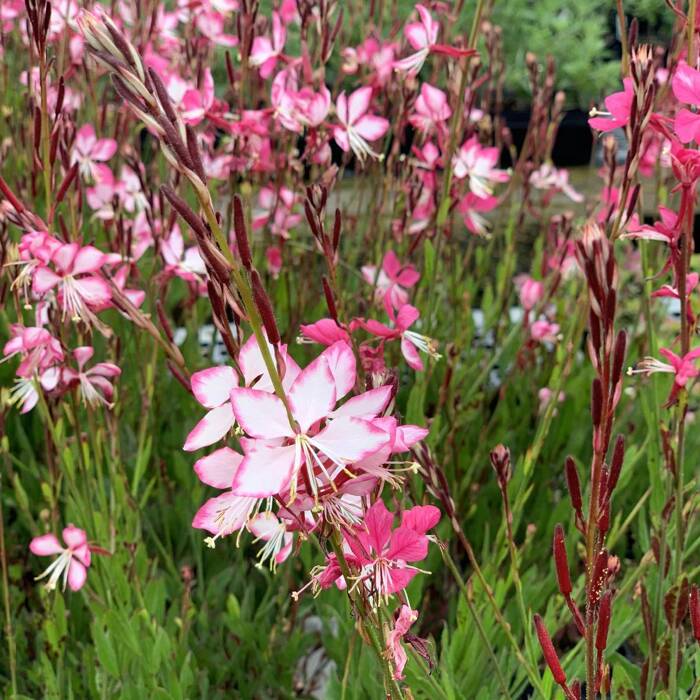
<point>475,615</point>
<point>9,632</point>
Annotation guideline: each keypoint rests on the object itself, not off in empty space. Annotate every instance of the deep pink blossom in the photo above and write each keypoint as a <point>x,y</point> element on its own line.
<point>395,650</point>
<point>391,281</point>
<point>686,87</point>
<point>95,383</point>
<point>266,52</point>
<point>471,207</point>
<point>431,109</point>
<point>619,106</point>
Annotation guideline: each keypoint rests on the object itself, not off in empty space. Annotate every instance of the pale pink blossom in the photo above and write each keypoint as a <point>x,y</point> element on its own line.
<point>72,562</point>
<point>316,435</point>
<point>683,368</point>
<point>266,52</point>
<point>94,384</point>
<point>73,274</point>
<point>545,331</point>
<point>531,292</point>
<point>552,179</point>
<point>358,127</point>
<point>431,109</point>
<point>296,108</point>
<point>471,207</point>
<point>422,36</point>
<point>395,650</point>
<point>88,150</point>
<point>478,163</point>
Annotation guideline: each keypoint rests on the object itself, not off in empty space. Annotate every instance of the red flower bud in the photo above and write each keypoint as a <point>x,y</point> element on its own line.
<point>550,656</point>
<point>560,561</point>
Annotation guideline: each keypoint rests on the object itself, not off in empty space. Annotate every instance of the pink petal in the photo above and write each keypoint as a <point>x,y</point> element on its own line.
<point>260,414</point>
<point>211,428</point>
<point>85,139</point>
<point>94,290</point>
<point>411,354</point>
<point>341,138</point>
<point>416,35</point>
<point>377,525</point>
<point>399,579</point>
<point>687,125</point>
<point>341,108</point>
<point>104,149</point>
<point>74,537</point>
<point>407,545</point>
<point>390,264</point>
<point>208,517</point>
<point>358,104</point>
<point>87,259</point>
<point>407,316</point>
<point>349,440</point>
<point>44,279</point>
<point>218,468</point>
<point>341,362</point>
<point>325,331</point>
<point>264,525</point>
<point>264,471</point>
<point>421,518</point>
<point>371,127</point>
<point>367,405</point>
<point>212,387</point>
<point>686,84</point>
<point>407,436</point>
<point>408,276</point>
<point>312,395</point>
<point>83,354</point>
<point>77,574</point>
<point>45,545</point>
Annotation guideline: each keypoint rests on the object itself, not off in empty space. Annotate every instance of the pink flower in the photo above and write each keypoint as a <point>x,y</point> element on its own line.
<point>667,230</point>
<point>265,52</point>
<point>273,256</point>
<point>384,555</point>
<point>95,383</point>
<point>357,127</point>
<point>184,263</point>
<point>411,341</point>
<point>471,207</point>
<point>273,531</point>
<point>212,388</point>
<point>80,289</point>
<point>296,109</point>
<point>431,109</point>
<point>72,562</point>
<point>422,36</point>
<point>227,513</point>
<point>327,331</point>
<point>552,179</point>
<point>88,150</point>
<point>686,87</point>
<point>391,281</point>
<point>41,353</point>
<point>531,291</point>
<point>275,211</point>
<point>683,368</point>
<point>317,436</point>
<point>619,106</point>
<point>544,331</point>
<point>479,164</point>
<point>394,648</point>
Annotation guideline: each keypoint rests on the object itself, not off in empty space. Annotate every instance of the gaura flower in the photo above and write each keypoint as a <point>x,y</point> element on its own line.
<point>394,648</point>
<point>619,106</point>
<point>72,562</point>
<point>357,127</point>
<point>392,281</point>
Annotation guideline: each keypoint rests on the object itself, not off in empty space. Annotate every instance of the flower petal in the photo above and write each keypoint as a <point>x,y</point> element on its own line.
<point>260,414</point>
<point>211,428</point>
<point>45,545</point>
<point>265,471</point>
<point>218,468</point>
<point>212,387</point>
<point>77,574</point>
<point>312,396</point>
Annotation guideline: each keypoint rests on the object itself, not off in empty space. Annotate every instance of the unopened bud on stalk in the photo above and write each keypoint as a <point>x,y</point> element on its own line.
<point>500,461</point>
<point>262,301</point>
<point>550,655</point>
<point>572,481</point>
<point>596,401</point>
<point>600,570</point>
<point>616,463</point>
<point>337,228</point>
<point>560,561</point>
<point>239,228</point>
<point>601,639</point>
<point>330,300</point>
<point>694,603</point>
